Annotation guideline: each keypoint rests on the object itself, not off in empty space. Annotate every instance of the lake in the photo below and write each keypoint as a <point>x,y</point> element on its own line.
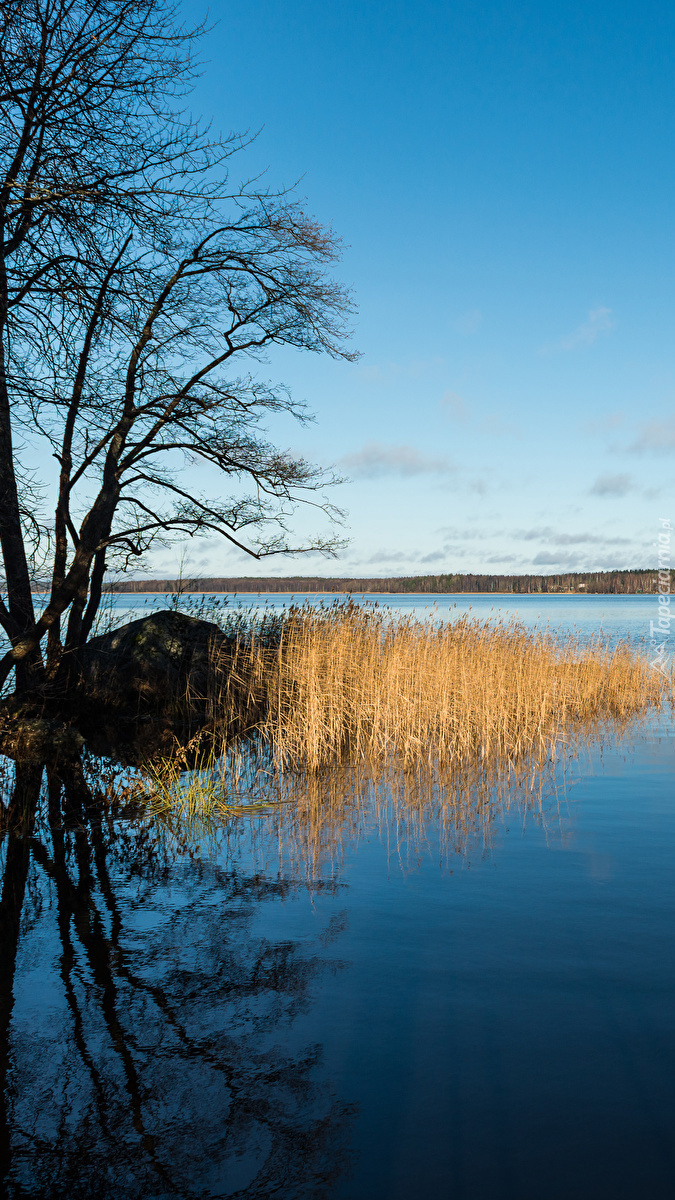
<point>607,616</point>
<point>392,994</point>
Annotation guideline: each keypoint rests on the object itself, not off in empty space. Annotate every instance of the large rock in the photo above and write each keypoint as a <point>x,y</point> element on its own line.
<point>37,740</point>
<point>159,663</point>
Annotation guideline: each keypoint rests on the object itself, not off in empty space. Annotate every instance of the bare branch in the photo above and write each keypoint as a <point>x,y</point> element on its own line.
<point>137,282</point>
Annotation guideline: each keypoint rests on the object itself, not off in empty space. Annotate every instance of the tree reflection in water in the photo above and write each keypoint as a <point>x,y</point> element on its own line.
<point>142,1019</point>
<point>147,1037</point>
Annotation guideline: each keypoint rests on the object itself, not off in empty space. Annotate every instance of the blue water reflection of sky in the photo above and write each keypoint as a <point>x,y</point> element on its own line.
<point>382,1000</point>
<point>610,616</point>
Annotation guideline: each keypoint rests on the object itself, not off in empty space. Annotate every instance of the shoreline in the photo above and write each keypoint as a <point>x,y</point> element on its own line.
<point>410,595</point>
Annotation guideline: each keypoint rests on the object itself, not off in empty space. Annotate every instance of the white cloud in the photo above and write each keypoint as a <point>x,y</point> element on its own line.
<point>377,460</point>
<point>554,538</point>
<point>547,558</point>
<point>599,322</point>
<point>655,436</point>
<point>612,485</point>
<point>388,556</point>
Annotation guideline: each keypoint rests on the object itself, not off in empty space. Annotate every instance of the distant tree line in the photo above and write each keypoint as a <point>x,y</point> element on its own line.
<point>596,582</point>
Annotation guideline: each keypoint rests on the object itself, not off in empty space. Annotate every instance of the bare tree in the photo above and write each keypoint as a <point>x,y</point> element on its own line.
<point>135,283</point>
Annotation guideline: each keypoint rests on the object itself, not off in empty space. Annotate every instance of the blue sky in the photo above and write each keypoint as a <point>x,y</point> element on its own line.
<point>503,177</point>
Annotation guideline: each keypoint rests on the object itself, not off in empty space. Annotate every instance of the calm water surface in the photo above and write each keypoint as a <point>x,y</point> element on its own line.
<point>593,616</point>
<point>393,1002</point>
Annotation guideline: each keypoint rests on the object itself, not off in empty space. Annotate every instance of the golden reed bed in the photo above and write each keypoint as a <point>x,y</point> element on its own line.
<point>357,683</point>
<point>318,709</point>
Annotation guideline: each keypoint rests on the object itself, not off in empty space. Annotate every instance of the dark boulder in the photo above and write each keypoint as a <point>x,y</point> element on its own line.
<point>31,739</point>
<point>162,663</point>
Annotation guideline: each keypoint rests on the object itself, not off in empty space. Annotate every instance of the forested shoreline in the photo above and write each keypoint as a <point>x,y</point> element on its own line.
<point>589,582</point>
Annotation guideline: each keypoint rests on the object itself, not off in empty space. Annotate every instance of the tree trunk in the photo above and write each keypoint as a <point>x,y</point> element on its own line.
<point>19,596</point>
<point>17,862</point>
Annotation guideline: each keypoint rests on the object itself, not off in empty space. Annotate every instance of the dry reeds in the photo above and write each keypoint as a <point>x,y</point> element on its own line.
<point>319,705</point>
<point>353,683</point>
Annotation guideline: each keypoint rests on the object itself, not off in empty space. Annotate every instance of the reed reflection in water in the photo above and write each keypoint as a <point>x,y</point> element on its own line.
<point>147,1037</point>
<point>179,1004</point>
